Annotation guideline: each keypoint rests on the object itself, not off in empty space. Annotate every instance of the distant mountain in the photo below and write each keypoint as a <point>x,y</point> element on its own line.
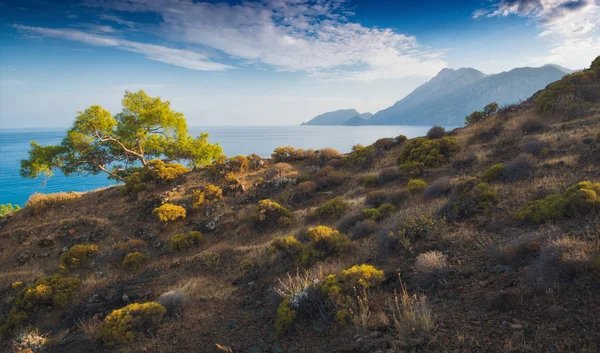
<point>339,117</point>
<point>451,95</point>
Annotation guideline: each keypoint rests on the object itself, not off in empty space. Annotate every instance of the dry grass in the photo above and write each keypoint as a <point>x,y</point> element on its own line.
<point>38,203</point>
<point>410,314</point>
<point>292,284</point>
<point>199,288</point>
<point>24,274</point>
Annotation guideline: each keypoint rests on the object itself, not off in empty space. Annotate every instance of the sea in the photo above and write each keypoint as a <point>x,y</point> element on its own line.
<point>244,140</point>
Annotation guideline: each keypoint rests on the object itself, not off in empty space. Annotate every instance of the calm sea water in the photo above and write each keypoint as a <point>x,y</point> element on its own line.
<point>235,140</point>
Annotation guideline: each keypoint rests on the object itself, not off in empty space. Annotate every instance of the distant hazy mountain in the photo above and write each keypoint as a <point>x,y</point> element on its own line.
<point>451,95</point>
<point>340,117</point>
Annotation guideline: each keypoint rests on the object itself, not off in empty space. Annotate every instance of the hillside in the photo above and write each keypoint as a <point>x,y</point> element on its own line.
<point>482,239</point>
<point>339,117</point>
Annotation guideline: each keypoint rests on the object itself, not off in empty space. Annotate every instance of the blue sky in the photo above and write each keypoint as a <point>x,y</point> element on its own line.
<point>270,62</point>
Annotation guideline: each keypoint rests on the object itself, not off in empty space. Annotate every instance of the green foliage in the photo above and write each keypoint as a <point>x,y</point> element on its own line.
<point>360,156</point>
<point>493,173</point>
<point>419,226</point>
<point>156,170</point>
<point>169,212</point>
<point>431,153</point>
<point>146,128</point>
<point>55,290</point>
<point>77,256</point>
<point>578,199</point>
<point>365,276</point>
<point>379,213</point>
<point>288,246</point>
<point>122,326</point>
<point>288,154</point>
<point>6,209</point>
<point>239,163</point>
<point>285,318</point>
<point>416,186</point>
<point>469,197</point>
<point>323,242</point>
<point>183,241</point>
<point>478,116</point>
<point>209,193</point>
<point>370,181</point>
<point>332,209</point>
<point>134,261</point>
<point>268,212</point>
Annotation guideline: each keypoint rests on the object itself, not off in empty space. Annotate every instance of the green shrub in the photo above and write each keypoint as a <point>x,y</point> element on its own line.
<point>285,318</point>
<point>436,132</point>
<point>332,209</point>
<point>155,170</point>
<point>55,290</point>
<point>169,212</point>
<point>379,213</point>
<point>134,261</point>
<point>289,246</point>
<point>468,198</point>
<point>370,181</point>
<point>323,242</point>
<point>478,116</point>
<point>122,326</point>
<point>363,275</point>
<point>6,209</point>
<point>270,212</point>
<point>183,241</point>
<point>431,153</point>
<point>493,173</point>
<point>306,188</point>
<point>416,186</point>
<point>212,193</point>
<point>360,157</point>
<point>288,154</point>
<point>578,199</point>
<point>77,256</point>
<point>239,163</point>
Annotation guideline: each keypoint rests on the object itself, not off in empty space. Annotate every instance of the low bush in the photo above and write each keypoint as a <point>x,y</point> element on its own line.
<point>363,229</point>
<point>578,199</point>
<point>131,244</point>
<point>322,243</point>
<point>431,153</point>
<point>379,213</point>
<point>521,250</point>
<point>123,325</point>
<point>478,116</point>
<point>332,209</point>
<point>388,175</point>
<point>6,209</point>
<point>440,187</point>
<point>156,170</point>
<point>430,268</point>
<point>55,290</point>
<point>289,246</point>
<point>467,198</point>
<point>268,212</point>
<point>77,256</point>
<point>533,126</point>
<point>184,241</point>
<point>360,157</point>
<point>519,168</point>
<point>328,177</point>
<point>393,197</point>
<point>416,186</point>
<point>365,276</point>
<point>487,133</point>
<point>436,132</point>
<point>285,318</point>
<point>39,203</point>
<point>464,163</point>
<point>370,181</point>
<point>169,212</point>
<point>173,301</point>
<point>327,154</point>
<point>239,164</point>
<point>212,193</point>
<point>493,173</point>
<point>306,188</point>
<point>134,261</point>
<point>536,148</point>
<point>287,154</point>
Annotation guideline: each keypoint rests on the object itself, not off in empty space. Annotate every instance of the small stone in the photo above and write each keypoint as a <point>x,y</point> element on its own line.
<point>72,231</point>
<point>516,326</point>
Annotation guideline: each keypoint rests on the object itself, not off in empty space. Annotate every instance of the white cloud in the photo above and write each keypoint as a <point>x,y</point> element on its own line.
<point>571,26</point>
<point>180,57</point>
<point>117,19</point>
<point>313,36</point>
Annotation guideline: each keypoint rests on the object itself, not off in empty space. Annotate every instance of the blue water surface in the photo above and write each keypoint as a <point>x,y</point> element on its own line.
<point>235,140</point>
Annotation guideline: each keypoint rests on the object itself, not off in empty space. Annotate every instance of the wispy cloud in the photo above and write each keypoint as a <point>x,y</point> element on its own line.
<point>117,19</point>
<point>313,36</point>
<point>179,57</point>
<point>571,25</point>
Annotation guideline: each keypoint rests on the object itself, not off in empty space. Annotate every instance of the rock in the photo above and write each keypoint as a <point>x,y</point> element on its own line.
<point>516,326</point>
<point>72,231</point>
<point>24,256</point>
<point>45,254</point>
<point>557,312</point>
<point>588,140</point>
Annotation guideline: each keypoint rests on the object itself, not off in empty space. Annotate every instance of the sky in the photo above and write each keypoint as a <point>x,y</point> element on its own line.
<point>269,62</point>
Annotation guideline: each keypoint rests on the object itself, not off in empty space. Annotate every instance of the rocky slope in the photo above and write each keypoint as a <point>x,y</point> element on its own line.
<point>463,259</point>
